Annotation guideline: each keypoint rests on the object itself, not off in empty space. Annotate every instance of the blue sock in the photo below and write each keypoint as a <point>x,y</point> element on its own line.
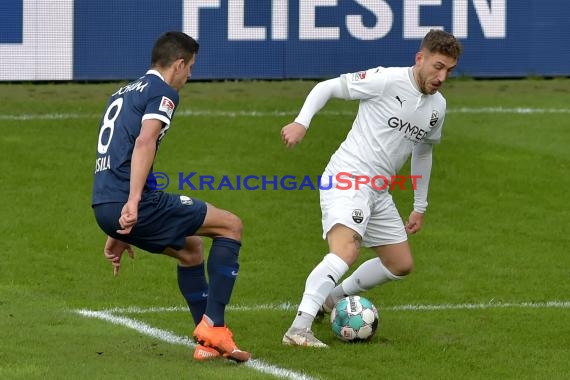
<point>223,268</point>
<point>194,287</point>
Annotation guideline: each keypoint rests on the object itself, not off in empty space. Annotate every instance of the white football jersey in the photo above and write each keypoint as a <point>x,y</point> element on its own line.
<point>393,116</point>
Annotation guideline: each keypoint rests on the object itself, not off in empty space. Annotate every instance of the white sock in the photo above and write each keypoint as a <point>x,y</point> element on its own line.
<point>319,284</point>
<point>368,275</point>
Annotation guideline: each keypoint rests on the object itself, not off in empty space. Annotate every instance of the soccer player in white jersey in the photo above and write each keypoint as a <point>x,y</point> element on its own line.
<point>400,113</point>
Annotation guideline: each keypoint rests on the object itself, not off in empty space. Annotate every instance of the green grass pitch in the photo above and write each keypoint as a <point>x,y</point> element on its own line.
<point>489,297</point>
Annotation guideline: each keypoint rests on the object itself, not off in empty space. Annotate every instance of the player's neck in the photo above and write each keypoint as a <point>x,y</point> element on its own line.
<point>167,76</point>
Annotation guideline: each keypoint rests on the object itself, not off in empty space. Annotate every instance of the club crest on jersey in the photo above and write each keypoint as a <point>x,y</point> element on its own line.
<point>361,75</point>
<point>434,118</point>
<point>167,106</point>
<point>357,216</point>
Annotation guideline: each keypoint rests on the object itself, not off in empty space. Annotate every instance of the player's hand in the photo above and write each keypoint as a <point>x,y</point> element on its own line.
<point>114,250</point>
<point>292,134</point>
<point>415,222</point>
<point>129,215</point>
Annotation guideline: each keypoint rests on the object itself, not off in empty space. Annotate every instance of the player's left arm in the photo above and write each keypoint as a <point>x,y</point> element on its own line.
<point>421,172</point>
<point>141,162</point>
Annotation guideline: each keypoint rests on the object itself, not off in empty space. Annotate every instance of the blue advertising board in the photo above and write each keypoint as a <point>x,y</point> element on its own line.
<point>278,39</point>
<point>11,22</point>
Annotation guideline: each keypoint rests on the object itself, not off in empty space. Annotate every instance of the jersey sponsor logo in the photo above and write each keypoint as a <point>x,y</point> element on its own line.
<point>167,106</point>
<point>361,75</point>
<point>434,118</point>
<point>411,132</point>
<point>357,216</point>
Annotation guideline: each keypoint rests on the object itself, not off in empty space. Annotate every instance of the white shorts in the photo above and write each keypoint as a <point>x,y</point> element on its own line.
<point>369,212</point>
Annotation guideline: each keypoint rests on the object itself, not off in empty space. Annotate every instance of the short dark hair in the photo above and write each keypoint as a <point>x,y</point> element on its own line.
<point>171,46</point>
<point>439,41</point>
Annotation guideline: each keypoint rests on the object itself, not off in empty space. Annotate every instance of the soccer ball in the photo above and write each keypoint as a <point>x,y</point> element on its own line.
<point>354,319</point>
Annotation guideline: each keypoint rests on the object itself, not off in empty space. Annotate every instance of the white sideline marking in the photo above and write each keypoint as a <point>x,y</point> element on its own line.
<point>233,114</point>
<point>140,310</point>
<point>289,306</point>
<point>515,110</point>
<point>172,338</point>
<point>489,305</point>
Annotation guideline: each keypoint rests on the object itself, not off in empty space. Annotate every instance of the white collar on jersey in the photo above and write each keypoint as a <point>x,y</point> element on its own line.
<point>412,79</point>
<point>154,72</point>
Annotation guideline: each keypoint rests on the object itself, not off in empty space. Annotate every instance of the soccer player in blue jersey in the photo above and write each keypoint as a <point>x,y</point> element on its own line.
<point>133,213</point>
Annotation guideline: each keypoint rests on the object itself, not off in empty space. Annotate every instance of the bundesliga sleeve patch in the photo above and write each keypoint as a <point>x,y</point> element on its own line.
<point>167,106</point>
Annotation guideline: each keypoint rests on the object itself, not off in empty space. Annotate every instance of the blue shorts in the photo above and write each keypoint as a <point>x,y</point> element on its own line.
<point>164,220</point>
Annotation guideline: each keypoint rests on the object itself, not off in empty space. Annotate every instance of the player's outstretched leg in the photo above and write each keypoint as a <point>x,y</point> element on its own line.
<point>320,282</point>
<point>302,337</point>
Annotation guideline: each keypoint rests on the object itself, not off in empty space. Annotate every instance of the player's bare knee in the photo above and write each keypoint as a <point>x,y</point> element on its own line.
<point>234,227</point>
<point>402,272</point>
<point>401,267</point>
<point>344,243</point>
<point>347,252</point>
<point>190,259</point>
<point>191,255</point>
<point>195,247</point>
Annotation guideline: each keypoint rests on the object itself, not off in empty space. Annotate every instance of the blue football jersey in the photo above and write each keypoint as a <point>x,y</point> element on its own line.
<point>148,97</point>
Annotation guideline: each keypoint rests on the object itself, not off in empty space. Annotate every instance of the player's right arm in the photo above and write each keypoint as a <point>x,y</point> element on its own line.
<point>293,133</point>
<point>114,250</point>
<point>141,162</point>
